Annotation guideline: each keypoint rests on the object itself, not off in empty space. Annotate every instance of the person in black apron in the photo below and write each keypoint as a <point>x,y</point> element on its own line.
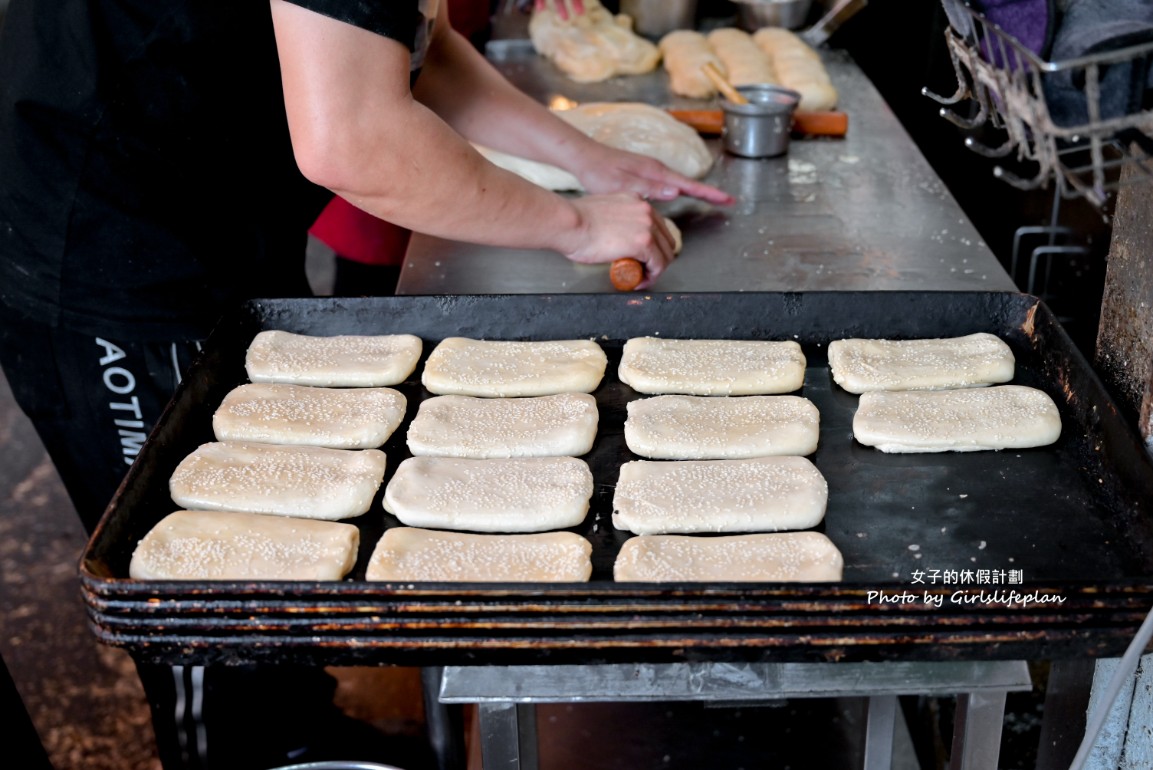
<point>151,159</point>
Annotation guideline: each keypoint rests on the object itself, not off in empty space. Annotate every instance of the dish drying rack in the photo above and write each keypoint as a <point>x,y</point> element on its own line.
<point>1007,82</point>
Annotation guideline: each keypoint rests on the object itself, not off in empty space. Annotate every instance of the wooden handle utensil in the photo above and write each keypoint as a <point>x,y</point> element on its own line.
<point>626,274</point>
<point>722,84</point>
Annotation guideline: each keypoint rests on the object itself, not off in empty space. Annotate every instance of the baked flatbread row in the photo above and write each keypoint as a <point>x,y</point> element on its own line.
<point>528,494</point>
<point>962,420</point>
<point>718,428</point>
<point>338,361</point>
<point>305,481</point>
<point>230,545</point>
<point>481,428</point>
<point>408,553</point>
<point>864,365</point>
<point>712,367</point>
<point>780,557</point>
<point>340,418</point>
<point>509,368</point>
<point>764,494</point>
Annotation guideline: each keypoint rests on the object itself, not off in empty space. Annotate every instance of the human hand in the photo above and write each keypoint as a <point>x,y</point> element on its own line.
<point>564,8</point>
<point>622,225</point>
<point>609,170</point>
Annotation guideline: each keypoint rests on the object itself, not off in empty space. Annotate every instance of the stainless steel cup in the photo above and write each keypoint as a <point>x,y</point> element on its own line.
<point>759,129</point>
<point>656,18</point>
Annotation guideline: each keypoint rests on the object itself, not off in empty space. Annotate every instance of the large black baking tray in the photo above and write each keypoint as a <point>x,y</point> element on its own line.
<point>1059,540</point>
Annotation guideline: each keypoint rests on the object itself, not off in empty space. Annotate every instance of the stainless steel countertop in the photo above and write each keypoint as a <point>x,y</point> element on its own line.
<point>865,212</point>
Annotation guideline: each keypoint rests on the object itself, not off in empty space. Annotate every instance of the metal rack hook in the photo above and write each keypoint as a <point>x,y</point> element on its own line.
<point>991,152</point>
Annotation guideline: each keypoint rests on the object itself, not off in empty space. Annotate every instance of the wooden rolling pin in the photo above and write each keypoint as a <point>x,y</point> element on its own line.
<point>626,273</point>
<point>829,123</point>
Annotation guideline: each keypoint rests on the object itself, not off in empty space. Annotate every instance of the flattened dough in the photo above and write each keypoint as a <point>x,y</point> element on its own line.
<point>408,553</point>
<point>538,426</point>
<point>306,481</point>
<point>645,130</point>
<point>719,428</point>
<point>764,494</point>
<point>807,557</point>
<point>745,63</point>
<point>633,126</point>
<point>712,367</point>
<point>798,66</point>
<point>541,174</point>
<point>962,420</point>
<point>363,361</point>
<point>529,494</point>
<point>863,365</point>
<point>592,46</point>
<point>506,369</point>
<point>228,545</point>
<point>278,413</point>
<point>684,53</point>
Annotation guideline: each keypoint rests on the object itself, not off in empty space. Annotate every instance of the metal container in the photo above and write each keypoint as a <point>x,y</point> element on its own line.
<point>761,128</point>
<point>656,18</point>
<point>790,14</point>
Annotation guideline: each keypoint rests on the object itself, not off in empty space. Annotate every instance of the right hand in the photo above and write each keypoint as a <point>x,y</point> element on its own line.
<point>563,7</point>
<point>622,225</point>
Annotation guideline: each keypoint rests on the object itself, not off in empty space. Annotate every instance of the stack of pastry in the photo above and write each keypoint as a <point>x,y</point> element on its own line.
<point>297,452</point>
<point>725,448</point>
<point>496,471</point>
<point>592,46</point>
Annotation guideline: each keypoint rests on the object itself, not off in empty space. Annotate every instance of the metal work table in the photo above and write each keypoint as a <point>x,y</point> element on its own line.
<point>863,212</point>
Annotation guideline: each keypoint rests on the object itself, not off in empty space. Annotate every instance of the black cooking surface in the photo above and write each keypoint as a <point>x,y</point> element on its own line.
<point>1071,520</point>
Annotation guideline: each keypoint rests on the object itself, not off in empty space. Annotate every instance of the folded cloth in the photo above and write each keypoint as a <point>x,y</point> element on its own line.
<point>1090,27</point>
<point>1029,22</point>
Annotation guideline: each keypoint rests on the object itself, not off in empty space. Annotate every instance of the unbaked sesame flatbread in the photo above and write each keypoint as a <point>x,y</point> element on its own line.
<point>525,494</point>
<point>409,553</point>
<point>229,545</point>
<point>538,426</point>
<point>306,481</point>
<point>807,557</point>
<point>719,428</point>
<point>339,361</point>
<point>712,367</point>
<point>763,494</point>
<point>865,365</point>
<point>961,420</point>
<point>278,413</point>
<point>509,368</point>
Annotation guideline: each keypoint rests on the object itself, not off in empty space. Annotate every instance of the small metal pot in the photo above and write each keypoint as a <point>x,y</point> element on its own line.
<point>790,14</point>
<point>656,18</point>
<point>761,128</point>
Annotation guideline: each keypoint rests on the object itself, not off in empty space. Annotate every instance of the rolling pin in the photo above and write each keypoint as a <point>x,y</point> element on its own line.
<point>626,273</point>
<point>828,123</point>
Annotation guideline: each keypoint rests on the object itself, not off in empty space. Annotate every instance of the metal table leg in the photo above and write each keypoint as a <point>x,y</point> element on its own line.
<point>879,730</point>
<point>508,736</point>
<point>977,730</point>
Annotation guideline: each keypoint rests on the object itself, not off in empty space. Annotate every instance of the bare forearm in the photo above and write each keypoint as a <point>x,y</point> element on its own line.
<point>496,114</point>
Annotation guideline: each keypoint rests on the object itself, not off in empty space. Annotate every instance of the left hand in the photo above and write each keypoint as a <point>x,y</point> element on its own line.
<point>612,170</point>
<point>564,8</point>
